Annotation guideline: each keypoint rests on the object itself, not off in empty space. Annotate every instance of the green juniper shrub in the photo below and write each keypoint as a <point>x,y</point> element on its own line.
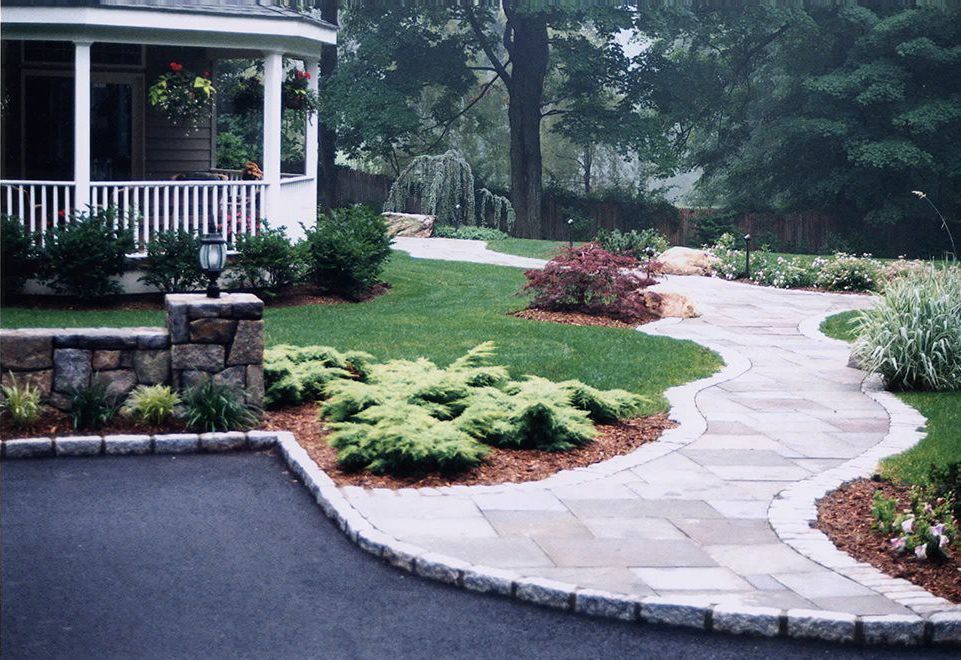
<point>18,255</point>
<point>266,262</point>
<point>93,406</point>
<point>211,406</point>
<point>21,403</point>
<point>294,374</point>
<point>171,263</point>
<point>633,243</point>
<point>81,256</point>
<point>469,232</point>
<point>152,404</point>
<point>346,251</point>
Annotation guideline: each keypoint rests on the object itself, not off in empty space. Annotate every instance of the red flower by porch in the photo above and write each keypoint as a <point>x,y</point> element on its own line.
<point>176,67</point>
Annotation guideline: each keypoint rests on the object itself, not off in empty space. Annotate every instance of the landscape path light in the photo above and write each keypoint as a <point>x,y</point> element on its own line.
<point>649,251</point>
<point>213,258</point>
<point>747,255</point>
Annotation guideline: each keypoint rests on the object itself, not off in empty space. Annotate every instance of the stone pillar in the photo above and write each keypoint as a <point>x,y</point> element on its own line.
<point>220,338</point>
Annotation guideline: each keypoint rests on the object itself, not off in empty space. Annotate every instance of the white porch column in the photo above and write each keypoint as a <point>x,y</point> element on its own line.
<point>273,80</point>
<point>310,139</point>
<point>81,125</point>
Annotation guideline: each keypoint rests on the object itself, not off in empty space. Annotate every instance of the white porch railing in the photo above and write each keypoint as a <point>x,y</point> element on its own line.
<point>231,208</point>
<point>39,204</point>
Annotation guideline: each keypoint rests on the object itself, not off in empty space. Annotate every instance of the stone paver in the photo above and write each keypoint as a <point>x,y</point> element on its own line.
<point>686,522</point>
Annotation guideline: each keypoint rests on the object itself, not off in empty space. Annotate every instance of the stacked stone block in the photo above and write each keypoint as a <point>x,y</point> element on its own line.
<point>217,338</point>
<point>59,361</point>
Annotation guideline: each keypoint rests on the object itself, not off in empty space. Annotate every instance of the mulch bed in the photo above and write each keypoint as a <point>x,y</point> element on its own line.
<point>844,515</point>
<point>501,465</point>
<point>295,296</point>
<point>577,318</point>
<point>52,423</point>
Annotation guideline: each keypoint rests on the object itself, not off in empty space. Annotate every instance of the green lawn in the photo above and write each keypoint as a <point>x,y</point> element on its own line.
<point>942,444</point>
<point>525,247</point>
<point>441,309</point>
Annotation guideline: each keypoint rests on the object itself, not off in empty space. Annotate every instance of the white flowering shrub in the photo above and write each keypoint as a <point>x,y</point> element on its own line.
<point>730,260</point>
<point>847,272</point>
<point>927,529</point>
<point>912,337</point>
<point>783,273</point>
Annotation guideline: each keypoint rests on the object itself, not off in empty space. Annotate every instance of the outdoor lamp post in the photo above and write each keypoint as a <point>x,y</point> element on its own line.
<point>213,258</point>
<point>747,255</point>
<point>570,232</point>
<point>649,251</point>
<point>457,215</point>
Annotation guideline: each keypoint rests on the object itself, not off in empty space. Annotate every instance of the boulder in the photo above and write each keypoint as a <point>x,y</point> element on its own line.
<point>686,261</point>
<point>673,305</point>
<point>413,225</point>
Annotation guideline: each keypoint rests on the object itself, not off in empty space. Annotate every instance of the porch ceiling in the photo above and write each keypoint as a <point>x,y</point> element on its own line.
<point>154,26</point>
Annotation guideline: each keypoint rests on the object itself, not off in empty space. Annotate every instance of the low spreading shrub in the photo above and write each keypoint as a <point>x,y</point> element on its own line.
<point>18,256</point>
<point>407,416</point>
<point>82,255</point>
<point>591,280</point>
<point>21,403</point>
<point>469,232</point>
<point>927,529</point>
<point>171,263</point>
<point>633,243</point>
<point>92,407</point>
<point>911,337</point>
<point>152,404</point>
<point>729,261</point>
<point>294,374</point>
<point>346,251</point>
<point>781,272</point>
<point>266,262</point>
<point>846,272</point>
<point>211,406</point>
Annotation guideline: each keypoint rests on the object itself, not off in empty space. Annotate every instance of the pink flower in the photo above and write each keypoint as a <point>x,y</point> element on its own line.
<point>897,544</point>
<point>943,541</point>
<point>176,67</point>
<point>921,552</point>
<point>907,526</point>
<point>936,530</point>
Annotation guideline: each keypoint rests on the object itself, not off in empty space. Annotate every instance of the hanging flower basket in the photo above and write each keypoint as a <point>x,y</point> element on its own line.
<point>296,94</point>
<point>249,96</point>
<point>184,97</point>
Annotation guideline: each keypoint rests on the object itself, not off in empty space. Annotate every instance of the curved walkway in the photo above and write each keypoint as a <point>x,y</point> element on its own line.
<point>687,517</point>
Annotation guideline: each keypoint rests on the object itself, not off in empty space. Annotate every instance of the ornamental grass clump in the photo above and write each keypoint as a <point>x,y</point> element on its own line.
<point>152,404</point>
<point>912,337</point>
<point>211,407</point>
<point>21,403</point>
<point>590,280</point>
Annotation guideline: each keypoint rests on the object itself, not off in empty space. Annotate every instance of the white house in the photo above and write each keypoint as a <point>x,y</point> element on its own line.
<point>78,132</point>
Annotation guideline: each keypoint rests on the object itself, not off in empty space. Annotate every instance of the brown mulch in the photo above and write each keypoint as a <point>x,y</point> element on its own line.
<point>295,296</point>
<point>54,422</point>
<point>577,318</point>
<point>844,515</point>
<point>500,466</point>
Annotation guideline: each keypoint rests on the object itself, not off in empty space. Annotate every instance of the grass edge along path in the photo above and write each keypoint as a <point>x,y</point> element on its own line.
<point>441,309</point>
<point>941,445</point>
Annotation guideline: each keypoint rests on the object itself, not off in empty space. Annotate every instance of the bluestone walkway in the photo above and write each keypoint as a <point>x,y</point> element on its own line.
<point>686,516</point>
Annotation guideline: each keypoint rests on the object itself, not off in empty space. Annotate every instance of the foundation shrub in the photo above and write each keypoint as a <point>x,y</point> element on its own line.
<point>171,263</point>
<point>18,256</point>
<point>911,337</point>
<point>267,262</point>
<point>591,280</point>
<point>346,251</point>
<point>81,256</point>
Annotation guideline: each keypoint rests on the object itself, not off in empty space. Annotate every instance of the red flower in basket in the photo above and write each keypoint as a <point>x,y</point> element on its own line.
<point>206,73</point>
<point>176,67</point>
<point>62,213</point>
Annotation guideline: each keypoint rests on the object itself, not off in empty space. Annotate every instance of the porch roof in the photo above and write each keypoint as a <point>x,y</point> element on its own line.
<point>247,25</point>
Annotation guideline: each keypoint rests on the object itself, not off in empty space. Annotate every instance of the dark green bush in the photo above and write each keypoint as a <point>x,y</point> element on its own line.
<point>294,374</point>
<point>171,263</point>
<point>80,257</point>
<point>92,407</point>
<point>266,262</point>
<point>211,406</point>
<point>346,251</point>
<point>18,256</point>
<point>468,232</point>
<point>633,243</point>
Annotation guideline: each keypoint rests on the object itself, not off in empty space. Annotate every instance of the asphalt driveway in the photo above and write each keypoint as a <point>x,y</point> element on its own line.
<point>227,556</point>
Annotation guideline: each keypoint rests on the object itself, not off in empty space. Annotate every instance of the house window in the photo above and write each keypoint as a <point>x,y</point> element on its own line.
<point>62,52</point>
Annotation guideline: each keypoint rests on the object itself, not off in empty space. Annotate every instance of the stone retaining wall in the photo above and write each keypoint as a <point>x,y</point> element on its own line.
<point>219,338</point>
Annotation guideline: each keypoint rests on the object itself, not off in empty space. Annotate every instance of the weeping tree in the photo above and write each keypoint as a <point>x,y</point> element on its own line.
<point>444,185</point>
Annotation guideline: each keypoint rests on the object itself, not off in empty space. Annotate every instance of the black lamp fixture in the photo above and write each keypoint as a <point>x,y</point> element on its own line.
<point>747,255</point>
<point>213,258</point>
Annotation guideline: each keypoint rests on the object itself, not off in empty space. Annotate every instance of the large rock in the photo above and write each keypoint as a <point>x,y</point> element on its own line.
<point>71,369</point>
<point>118,382</point>
<point>686,261</point>
<point>205,357</point>
<point>153,367</point>
<point>409,224</point>
<point>248,346</point>
<point>103,360</point>
<point>212,331</point>
<point>26,349</point>
<point>668,304</point>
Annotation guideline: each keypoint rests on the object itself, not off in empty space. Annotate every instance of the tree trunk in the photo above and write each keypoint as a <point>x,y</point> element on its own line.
<point>529,59</point>
<point>326,137</point>
<point>588,163</point>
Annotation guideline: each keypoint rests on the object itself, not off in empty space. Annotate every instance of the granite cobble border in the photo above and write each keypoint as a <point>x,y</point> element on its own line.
<point>939,628</point>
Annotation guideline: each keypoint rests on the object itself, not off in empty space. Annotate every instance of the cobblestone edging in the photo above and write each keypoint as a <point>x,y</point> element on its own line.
<point>944,627</point>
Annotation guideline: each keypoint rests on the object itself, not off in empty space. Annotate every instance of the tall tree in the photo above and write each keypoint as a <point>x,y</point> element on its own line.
<point>326,134</point>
